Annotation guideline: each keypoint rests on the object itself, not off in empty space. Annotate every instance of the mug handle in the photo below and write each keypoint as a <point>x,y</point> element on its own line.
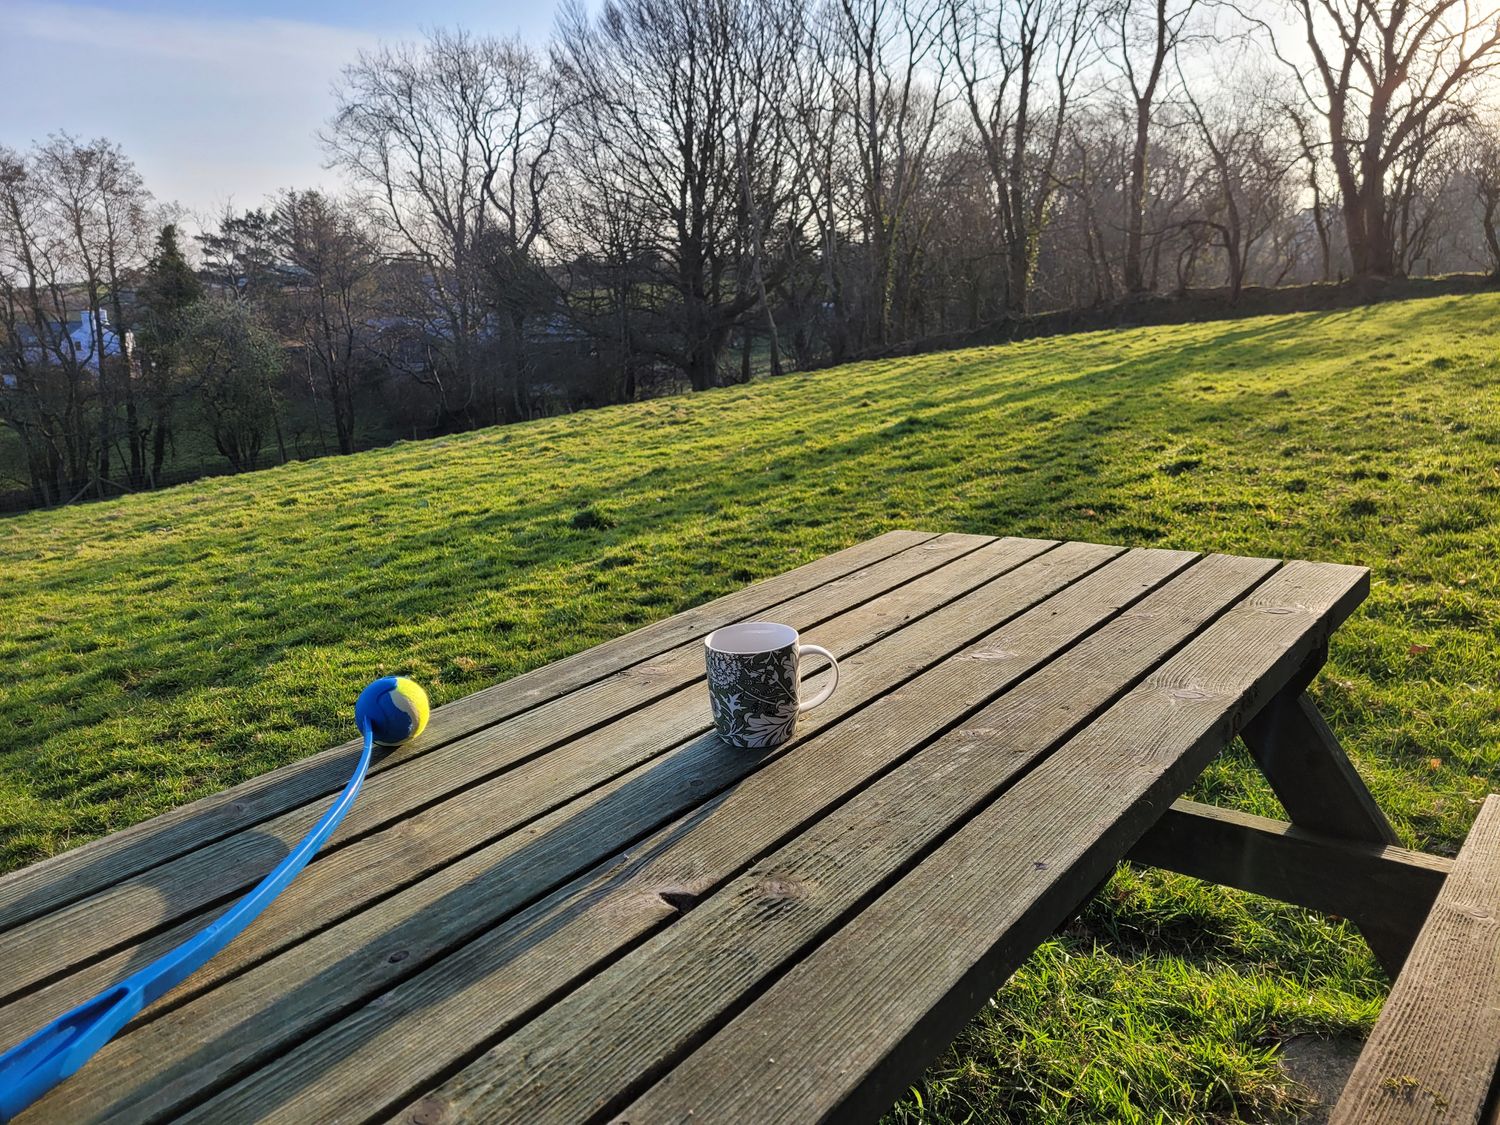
<point>822,696</point>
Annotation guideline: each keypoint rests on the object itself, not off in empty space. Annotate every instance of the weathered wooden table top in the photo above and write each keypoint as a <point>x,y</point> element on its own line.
<point>567,900</point>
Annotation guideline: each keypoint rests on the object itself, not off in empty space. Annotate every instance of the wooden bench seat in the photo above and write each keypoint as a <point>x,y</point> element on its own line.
<point>1434,1055</point>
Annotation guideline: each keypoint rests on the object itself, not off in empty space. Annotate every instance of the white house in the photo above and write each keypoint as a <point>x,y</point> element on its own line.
<point>72,340</point>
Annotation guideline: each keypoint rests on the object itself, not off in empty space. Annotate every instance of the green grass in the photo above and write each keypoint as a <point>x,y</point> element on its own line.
<point>162,647</point>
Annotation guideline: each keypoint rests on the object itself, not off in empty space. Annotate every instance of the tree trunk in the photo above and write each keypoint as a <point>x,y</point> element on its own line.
<point>1135,216</point>
<point>1491,238</point>
<point>1372,253</point>
<point>106,407</point>
<point>1018,277</point>
<point>158,446</point>
<point>702,366</point>
<point>746,346</point>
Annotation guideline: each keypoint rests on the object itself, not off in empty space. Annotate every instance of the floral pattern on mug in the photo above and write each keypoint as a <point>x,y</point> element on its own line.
<point>754,696</point>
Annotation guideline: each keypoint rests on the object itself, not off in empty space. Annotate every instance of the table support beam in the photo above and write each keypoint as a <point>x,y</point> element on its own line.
<point>1319,787</point>
<point>1310,773</point>
<point>1386,891</point>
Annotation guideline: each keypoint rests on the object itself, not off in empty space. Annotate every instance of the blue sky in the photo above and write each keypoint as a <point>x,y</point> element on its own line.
<point>217,102</point>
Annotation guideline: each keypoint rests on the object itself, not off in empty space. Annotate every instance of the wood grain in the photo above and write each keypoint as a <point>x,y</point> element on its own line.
<point>1321,790</point>
<point>889,989</point>
<point>512,969</point>
<point>1376,886</point>
<point>185,1051</point>
<point>44,886</point>
<point>1310,773</point>
<point>1435,1052</point>
<point>211,875</point>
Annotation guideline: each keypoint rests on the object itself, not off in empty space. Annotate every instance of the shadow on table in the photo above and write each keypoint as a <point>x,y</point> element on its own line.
<point>542,887</point>
<point>24,1011</point>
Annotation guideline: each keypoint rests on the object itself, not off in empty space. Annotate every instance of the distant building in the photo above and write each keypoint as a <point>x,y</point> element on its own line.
<point>72,340</point>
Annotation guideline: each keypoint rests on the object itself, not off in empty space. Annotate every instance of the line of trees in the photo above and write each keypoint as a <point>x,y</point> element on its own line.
<point>686,192</point>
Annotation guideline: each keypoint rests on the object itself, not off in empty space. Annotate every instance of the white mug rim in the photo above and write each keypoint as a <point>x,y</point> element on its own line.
<point>725,639</point>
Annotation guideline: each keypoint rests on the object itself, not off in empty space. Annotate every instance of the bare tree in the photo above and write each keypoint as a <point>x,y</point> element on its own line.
<point>71,225</point>
<point>1249,164</point>
<point>100,203</point>
<point>1017,65</point>
<point>887,71</point>
<point>48,388</point>
<point>1140,38</point>
<point>1483,166</point>
<point>674,92</point>
<point>1313,158</point>
<point>825,197</point>
<point>329,303</point>
<point>1080,257</point>
<point>1387,80</point>
<point>452,143</point>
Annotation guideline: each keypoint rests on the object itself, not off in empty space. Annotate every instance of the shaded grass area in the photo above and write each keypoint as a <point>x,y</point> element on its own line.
<point>162,647</point>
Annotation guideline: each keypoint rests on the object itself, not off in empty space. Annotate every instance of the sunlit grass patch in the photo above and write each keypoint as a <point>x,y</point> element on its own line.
<point>161,647</point>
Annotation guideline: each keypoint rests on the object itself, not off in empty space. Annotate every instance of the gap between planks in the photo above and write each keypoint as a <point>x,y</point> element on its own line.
<point>49,946</point>
<point>1084,558</point>
<point>60,879</point>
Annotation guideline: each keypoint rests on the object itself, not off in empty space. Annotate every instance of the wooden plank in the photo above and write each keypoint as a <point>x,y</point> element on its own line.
<point>44,886</point>
<point>894,822</point>
<point>370,1056</point>
<point>632,1019</point>
<point>80,931</point>
<point>1435,1051</point>
<point>1376,886</point>
<point>208,1041</point>
<point>957,925</point>
<point>343,881</point>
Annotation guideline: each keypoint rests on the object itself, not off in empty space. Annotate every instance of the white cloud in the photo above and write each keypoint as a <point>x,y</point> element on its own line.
<point>205,39</point>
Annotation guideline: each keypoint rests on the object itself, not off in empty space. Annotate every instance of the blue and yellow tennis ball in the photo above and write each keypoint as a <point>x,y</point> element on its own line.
<point>394,709</point>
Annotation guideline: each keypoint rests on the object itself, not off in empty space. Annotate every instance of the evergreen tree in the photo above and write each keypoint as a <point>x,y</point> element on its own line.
<point>168,289</point>
<point>170,284</point>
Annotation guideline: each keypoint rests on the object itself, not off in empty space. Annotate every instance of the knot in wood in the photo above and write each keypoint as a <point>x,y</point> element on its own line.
<point>991,654</point>
<point>429,1111</point>
<point>781,890</point>
<point>678,899</point>
<point>1189,693</point>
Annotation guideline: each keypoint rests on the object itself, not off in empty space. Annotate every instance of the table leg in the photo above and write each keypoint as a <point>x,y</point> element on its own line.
<point>1318,785</point>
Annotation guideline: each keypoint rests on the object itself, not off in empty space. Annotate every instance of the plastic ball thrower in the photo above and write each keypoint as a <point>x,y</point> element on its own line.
<point>392,710</point>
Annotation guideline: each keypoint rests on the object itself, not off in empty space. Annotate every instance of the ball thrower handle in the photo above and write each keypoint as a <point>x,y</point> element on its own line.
<point>32,1067</point>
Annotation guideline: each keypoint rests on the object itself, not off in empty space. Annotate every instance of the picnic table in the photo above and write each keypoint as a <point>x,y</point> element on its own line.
<point>569,901</point>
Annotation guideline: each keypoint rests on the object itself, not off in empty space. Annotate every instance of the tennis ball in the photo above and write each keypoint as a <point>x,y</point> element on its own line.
<point>394,709</point>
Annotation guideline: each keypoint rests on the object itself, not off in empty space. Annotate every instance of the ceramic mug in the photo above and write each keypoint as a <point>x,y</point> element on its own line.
<point>753,683</point>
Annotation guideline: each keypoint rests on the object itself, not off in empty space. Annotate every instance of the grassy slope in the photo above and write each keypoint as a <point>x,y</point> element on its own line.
<point>162,647</point>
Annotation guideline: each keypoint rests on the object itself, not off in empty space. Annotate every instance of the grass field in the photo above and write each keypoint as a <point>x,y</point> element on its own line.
<point>162,647</point>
